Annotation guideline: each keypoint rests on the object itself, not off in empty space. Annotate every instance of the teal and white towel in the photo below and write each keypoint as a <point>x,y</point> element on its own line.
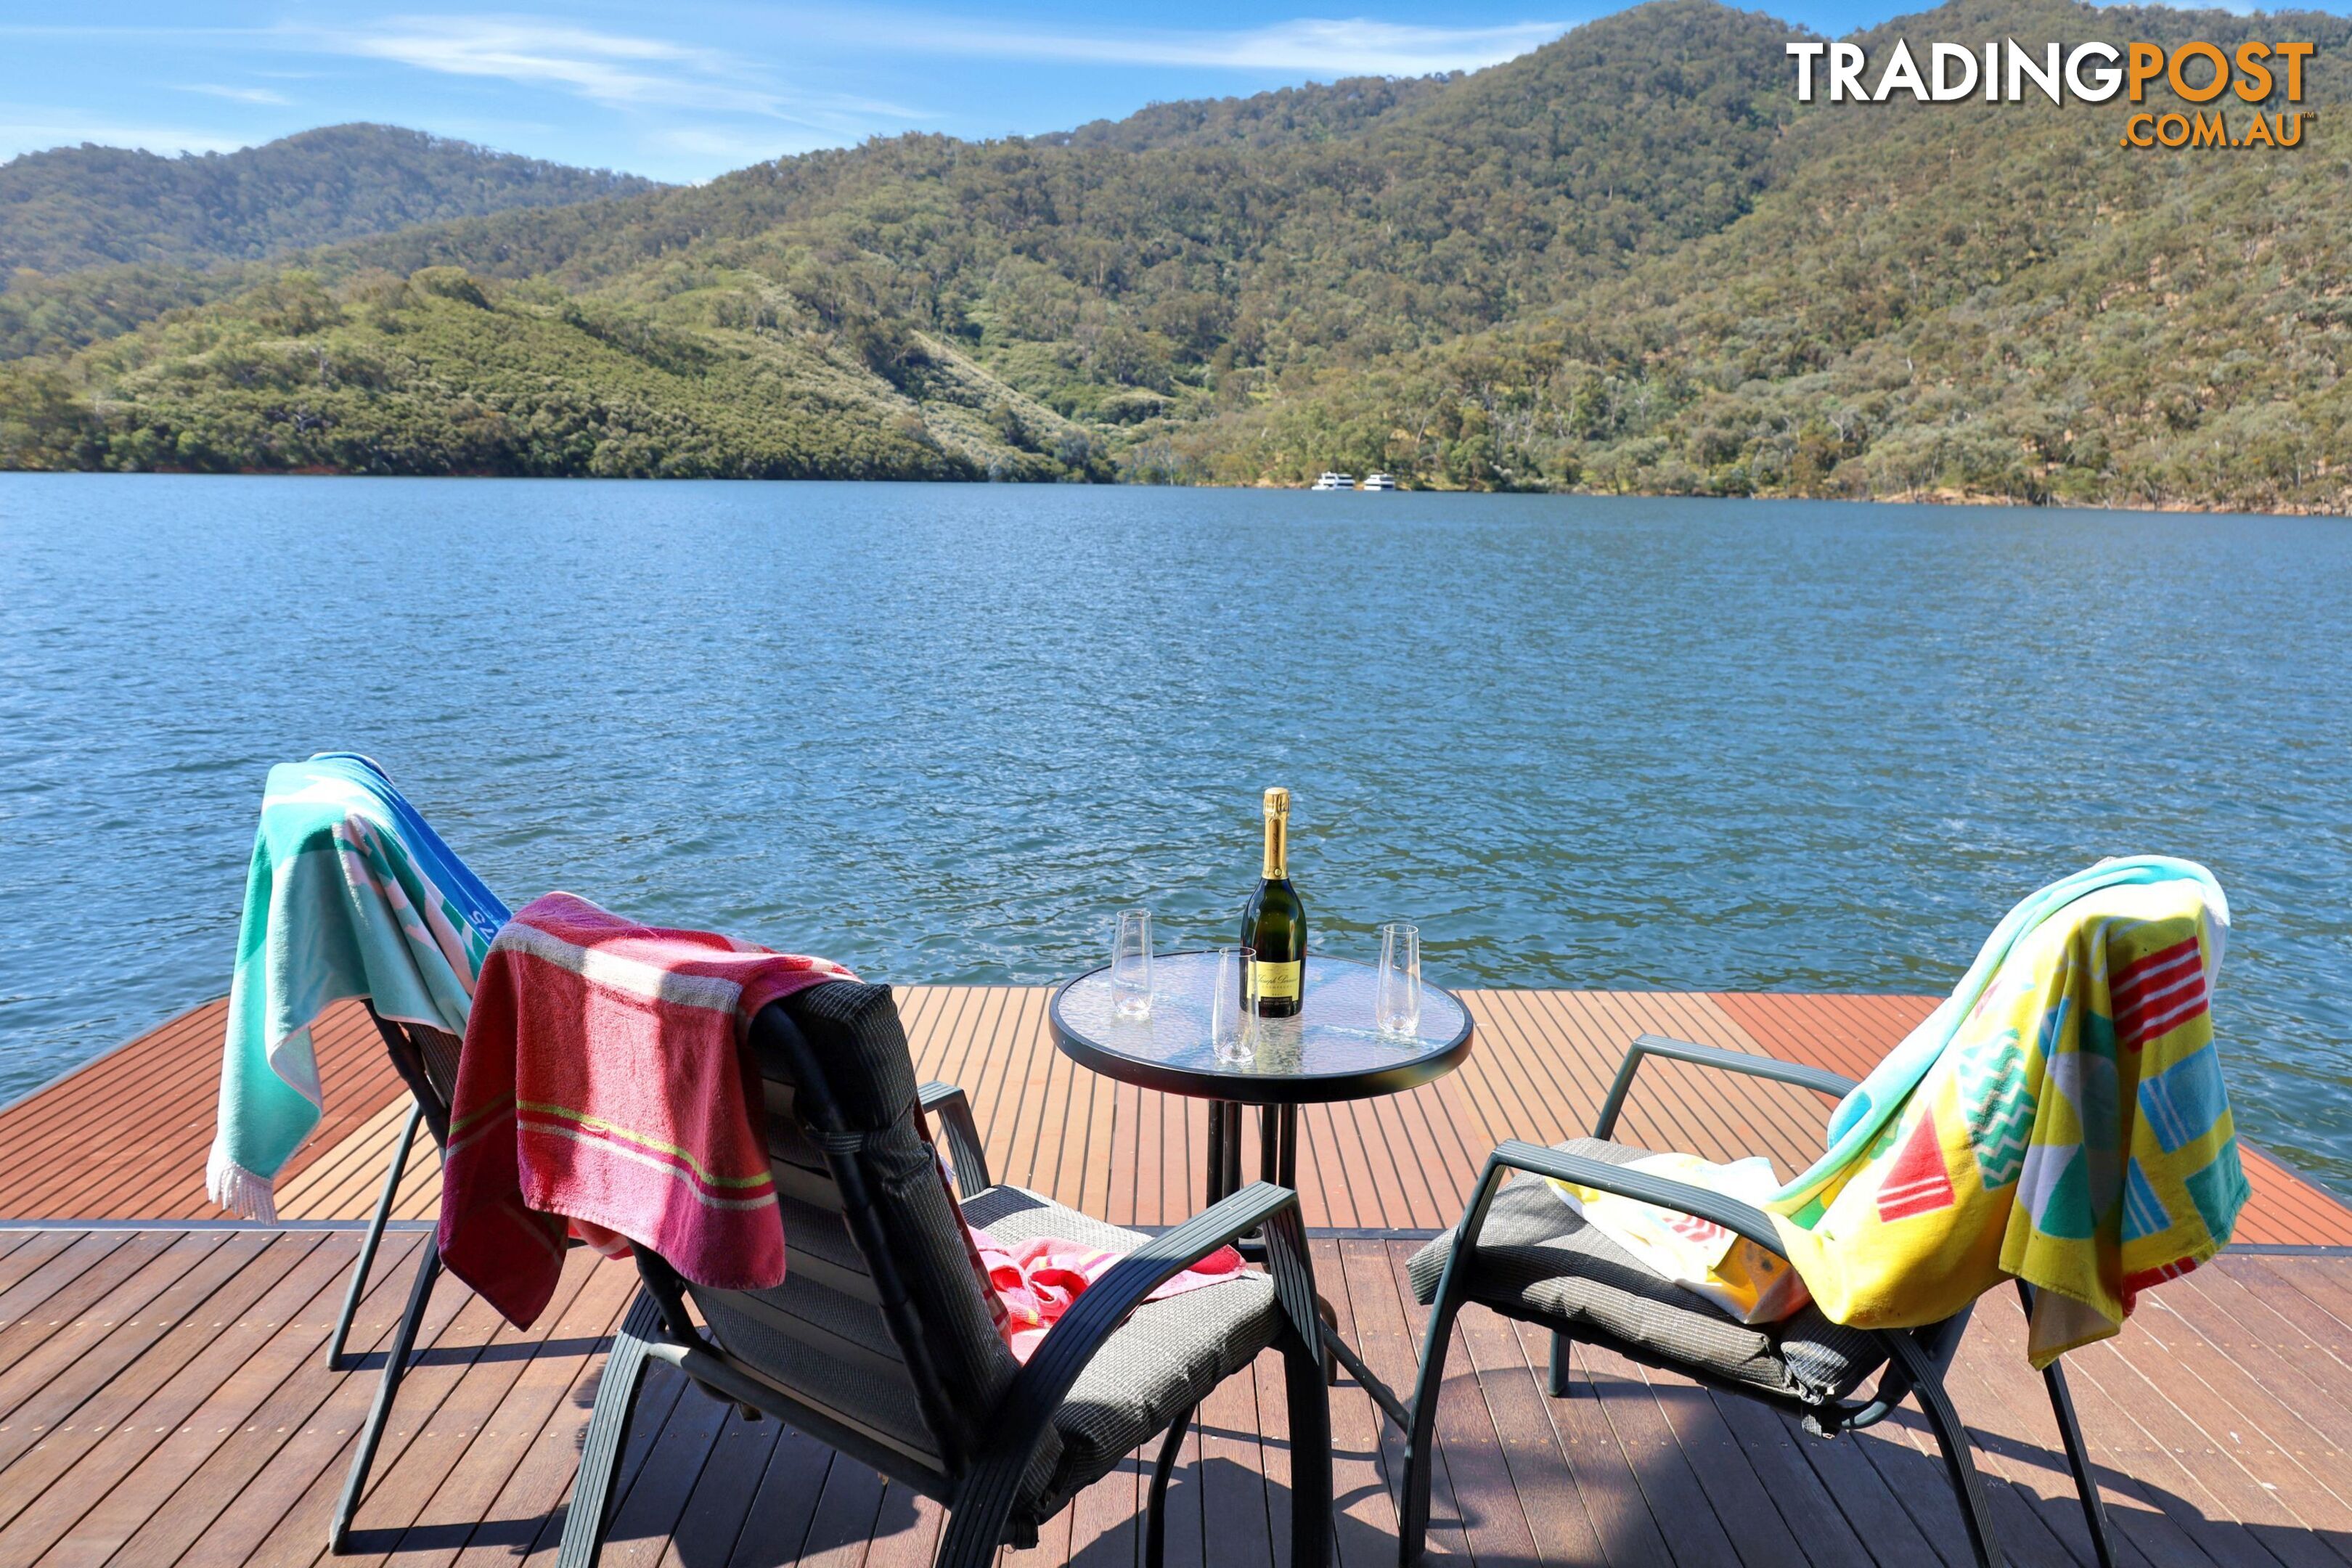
<point>350,893</point>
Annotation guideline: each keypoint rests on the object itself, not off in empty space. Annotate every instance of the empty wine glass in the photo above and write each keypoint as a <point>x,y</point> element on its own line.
<point>1233,1007</point>
<point>1130,965</point>
<point>1396,1007</point>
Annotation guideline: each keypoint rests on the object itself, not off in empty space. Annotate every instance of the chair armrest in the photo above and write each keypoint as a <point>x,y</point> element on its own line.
<point>1071,1343</point>
<point>1816,1078</point>
<point>1741,1219</point>
<point>964,1150</point>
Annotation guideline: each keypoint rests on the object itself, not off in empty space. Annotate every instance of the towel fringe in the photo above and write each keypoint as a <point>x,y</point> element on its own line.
<point>239,1190</point>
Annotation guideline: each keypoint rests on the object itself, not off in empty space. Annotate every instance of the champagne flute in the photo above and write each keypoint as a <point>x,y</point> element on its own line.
<point>1396,1007</point>
<point>1130,966</point>
<point>1233,1007</point>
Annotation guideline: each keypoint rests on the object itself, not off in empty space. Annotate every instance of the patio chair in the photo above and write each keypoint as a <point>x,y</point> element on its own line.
<point>879,1342</point>
<point>1519,1251</point>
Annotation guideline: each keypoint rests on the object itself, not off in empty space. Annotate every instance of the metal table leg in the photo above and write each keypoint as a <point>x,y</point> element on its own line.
<point>1232,1149</point>
<point>1225,1152</point>
<point>1214,1163</point>
<point>1278,1162</point>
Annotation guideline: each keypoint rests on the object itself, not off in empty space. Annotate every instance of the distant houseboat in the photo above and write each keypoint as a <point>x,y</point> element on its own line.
<point>1330,481</point>
<point>1380,482</point>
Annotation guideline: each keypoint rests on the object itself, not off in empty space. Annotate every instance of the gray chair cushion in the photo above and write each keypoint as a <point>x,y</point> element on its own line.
<point>1536,1259</point>
<point>1162,1361</point>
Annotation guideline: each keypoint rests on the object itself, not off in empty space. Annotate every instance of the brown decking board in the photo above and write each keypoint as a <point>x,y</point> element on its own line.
<point>193,1423</point>
<point>126,1137</point>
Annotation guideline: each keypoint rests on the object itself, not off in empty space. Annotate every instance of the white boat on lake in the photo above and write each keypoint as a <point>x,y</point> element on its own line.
<point>1380,481</point>
<point>1331,481</point>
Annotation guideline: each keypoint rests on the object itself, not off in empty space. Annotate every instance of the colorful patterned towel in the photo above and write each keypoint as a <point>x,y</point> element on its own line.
<point>1040,1279</point>
<point>349,894</point>
<point>1743,1279</point>
<point>605,1080</point>
<point>2061,1118</point>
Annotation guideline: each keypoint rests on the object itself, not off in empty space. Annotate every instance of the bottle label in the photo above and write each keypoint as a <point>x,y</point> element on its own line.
<point>1278,982</point>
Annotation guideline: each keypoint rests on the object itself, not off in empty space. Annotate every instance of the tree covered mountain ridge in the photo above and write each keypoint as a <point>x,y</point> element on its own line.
<point>76,207</point>
<point>1629,261</point>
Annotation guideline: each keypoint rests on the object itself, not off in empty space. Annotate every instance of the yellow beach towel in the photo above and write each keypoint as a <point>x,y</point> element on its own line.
<point>2061,1118</point>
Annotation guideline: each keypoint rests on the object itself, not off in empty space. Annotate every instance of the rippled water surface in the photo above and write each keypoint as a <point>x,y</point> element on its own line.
<point>939,732</point>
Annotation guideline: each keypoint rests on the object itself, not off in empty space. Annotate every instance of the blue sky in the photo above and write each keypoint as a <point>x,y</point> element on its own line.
<point>690,90</point>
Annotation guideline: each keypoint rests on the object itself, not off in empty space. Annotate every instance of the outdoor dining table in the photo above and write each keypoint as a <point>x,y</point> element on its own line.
<point>1332,1049</point>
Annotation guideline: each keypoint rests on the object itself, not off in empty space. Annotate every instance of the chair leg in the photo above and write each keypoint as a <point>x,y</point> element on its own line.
<point>2078,1453</point>
<point>1421,1439</point>
<point>1155,1515</point>
<point>969,1540</point>
<point>1952,1437</point>
<point>1309,1399</point>
<point>2078,1459</point>
<point>608,1434</point>
<point>375,1236</point>
<point>396,1366</point>
<point>1555,1375</point>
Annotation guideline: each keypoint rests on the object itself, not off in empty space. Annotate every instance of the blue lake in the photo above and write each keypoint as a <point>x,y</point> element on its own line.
<point>942,734</point>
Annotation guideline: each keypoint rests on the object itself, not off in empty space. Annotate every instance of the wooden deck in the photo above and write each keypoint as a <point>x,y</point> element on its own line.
<point>126,1137</point>
<point>162,1399</point>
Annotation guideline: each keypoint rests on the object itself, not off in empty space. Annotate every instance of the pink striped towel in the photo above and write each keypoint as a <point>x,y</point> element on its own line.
<point>606,1083</point>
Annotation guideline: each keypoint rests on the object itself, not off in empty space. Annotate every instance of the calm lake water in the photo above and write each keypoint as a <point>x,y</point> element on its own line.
<point>941,733</point>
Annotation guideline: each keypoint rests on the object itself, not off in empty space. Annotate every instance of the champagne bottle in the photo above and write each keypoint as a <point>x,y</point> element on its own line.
<point>1274,925</point>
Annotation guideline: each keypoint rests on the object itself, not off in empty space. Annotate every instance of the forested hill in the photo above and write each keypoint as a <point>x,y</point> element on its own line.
<point>74,207</point>
<point>1627,261</point>
<point>1317,112</point>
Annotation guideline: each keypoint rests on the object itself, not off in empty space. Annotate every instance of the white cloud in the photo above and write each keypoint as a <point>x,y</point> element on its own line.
<point>1322,48</point>
<point>619,71</point>
<point>880,107</point>
<point>236,94</point>
<point>609,69</point>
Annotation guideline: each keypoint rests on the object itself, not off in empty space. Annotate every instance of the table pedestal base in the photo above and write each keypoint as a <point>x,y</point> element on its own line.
<point>1277,1162</point>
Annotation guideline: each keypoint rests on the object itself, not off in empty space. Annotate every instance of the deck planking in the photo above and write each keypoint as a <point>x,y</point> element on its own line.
<point>185,1419</point>
<point>162,1399</point>
<point>126,1137</point>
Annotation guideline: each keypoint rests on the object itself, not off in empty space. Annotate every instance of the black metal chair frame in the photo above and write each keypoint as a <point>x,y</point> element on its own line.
<point>1917,1359</point>
<point>426,1109</point>
<point>982,1492</point>
<point>429,1109</point>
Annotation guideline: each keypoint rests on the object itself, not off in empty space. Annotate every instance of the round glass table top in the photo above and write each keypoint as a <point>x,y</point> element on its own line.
<point>1330,1049</point>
